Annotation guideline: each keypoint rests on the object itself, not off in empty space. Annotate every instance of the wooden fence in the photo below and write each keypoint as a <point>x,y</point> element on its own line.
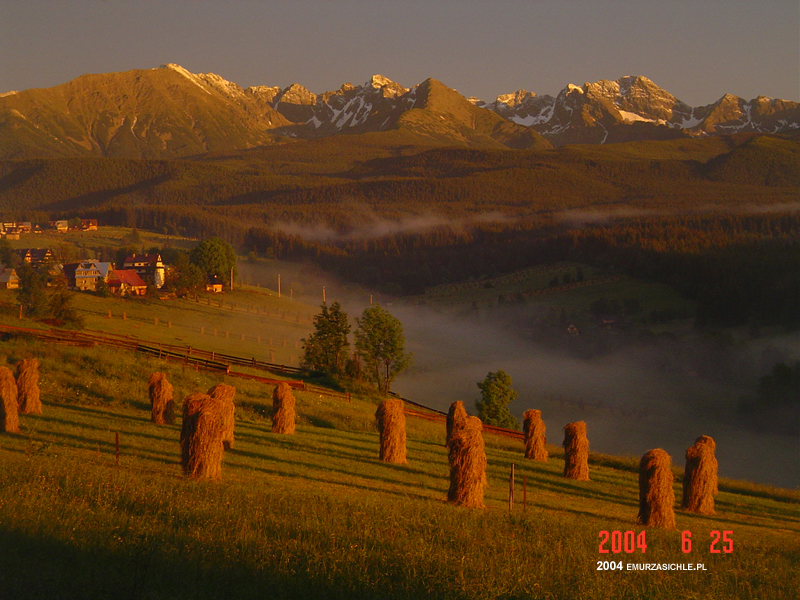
<point>220,362</point>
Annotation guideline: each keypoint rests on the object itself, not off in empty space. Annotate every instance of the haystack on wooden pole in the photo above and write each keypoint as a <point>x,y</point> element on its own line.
<point>390,419</point>
<point>28,396</point>
<point>700,477</point>
<point>467,464</point>
<point>201,437</point>
<point>8,401</point>
<point>225,393</point>
<point>656,495</point>
<point>161,395</point>
<point>456,414</point>
<point>534,430</point>
<point>576,451</point>
<point>283,413</point>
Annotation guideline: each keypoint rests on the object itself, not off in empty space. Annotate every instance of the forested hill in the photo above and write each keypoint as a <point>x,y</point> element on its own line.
<point>717,218</point>
<point>351,181</point>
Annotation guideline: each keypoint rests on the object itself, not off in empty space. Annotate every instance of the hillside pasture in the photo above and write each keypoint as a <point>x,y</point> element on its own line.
<point>317,514</point>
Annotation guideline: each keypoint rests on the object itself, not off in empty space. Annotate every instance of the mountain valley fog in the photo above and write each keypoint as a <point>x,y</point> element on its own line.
<point>633,399</point>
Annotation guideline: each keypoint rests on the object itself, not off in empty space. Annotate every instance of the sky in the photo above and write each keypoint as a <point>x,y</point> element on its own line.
<point>698,50</point>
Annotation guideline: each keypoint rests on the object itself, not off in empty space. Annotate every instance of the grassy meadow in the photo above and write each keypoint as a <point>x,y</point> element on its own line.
<point>317,515</point>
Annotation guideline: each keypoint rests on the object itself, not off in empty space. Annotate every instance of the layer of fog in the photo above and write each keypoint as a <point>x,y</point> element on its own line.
<point>630,405</point>
<point>371,225</point>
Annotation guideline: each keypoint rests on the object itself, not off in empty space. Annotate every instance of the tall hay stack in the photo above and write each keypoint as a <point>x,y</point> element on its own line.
<point>28,396</point>
<point>283,413</point>
<point>457,414</point>
<point>224,394</point>
<point>467,464</point>
<point>201,437</point>
<point>656,495</point>
<point>576,451</point>
<point>700,477</point>
<point>391,423</point>
<point>534,430</point>
<point>8,395</point>
<point>161,395</point>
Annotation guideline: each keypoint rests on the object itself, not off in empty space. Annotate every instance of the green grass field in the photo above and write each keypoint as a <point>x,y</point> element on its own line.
<point>317,515</point>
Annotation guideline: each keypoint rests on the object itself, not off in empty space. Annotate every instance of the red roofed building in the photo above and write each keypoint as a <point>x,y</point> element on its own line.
<point>148,266</point>
<point>125,281</point>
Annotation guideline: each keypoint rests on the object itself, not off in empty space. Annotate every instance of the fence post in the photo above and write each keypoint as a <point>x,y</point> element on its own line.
<point>511,489</point>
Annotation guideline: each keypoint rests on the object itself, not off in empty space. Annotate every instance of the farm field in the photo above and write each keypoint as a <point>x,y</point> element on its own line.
<point>247,322</point>
<point>317,515</point>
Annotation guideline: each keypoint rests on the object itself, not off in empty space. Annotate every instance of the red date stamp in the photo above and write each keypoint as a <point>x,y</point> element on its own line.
<point>721,542</point>
<point>618,541</point>
<point>629,542</point>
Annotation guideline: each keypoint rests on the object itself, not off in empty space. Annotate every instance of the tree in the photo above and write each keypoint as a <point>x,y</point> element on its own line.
<point>381,344</point>
<point>215,257</point>
<point>496,395</point>
<point>327,349</point>
<point>32,292</point>
<point>183,277</point>
<point>60,305</point>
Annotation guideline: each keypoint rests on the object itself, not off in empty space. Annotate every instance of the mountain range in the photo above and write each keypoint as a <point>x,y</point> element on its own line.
<point>170,112</point>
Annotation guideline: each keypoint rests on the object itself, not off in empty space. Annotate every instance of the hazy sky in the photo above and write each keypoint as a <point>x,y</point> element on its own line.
<point>697,50</point>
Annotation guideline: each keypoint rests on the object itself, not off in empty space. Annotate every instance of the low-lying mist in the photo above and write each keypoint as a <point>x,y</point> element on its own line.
<point>630,402</point>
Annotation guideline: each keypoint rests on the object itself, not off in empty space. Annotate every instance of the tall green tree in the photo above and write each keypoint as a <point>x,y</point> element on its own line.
<point>496,395</point>
<point>327,349</point>
<point>184,276</point>
<point>381,345</point>
<point>32,293</point>
<point>215,257</point>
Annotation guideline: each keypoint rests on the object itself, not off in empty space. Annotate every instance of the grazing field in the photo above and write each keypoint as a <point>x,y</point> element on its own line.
<point>318,515</point>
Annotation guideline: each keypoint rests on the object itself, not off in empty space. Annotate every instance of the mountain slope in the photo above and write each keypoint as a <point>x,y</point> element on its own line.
<point>156,113</point>
<point>169,113</point>
<point>634,108</point>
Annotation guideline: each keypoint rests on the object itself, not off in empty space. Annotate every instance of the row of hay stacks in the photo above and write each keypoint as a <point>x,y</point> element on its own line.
<point>656,496</point>
<point>20,394</point>
<point>207,430</point>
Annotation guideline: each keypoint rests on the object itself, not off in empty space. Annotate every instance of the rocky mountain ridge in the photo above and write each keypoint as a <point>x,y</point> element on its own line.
<point>170,112</point>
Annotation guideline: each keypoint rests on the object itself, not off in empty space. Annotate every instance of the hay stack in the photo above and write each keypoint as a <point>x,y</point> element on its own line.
<point>576,451</point>
<point>28,387</point>
<point>700,477</point>
<point>160,398</point>
<point>391,423</point>
<point>467,463</point>
<point>201,437</point>
<point>534,430</point>
<point>8,401</point>
<point>656,496</point>
<point>283,415</point>
<point>224,393</point>
<point>456,414</point>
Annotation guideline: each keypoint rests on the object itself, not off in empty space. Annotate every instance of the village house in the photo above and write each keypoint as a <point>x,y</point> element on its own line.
<point>124,282</point>
<point>60,226</point>
<point>214,284</point>
<point>8,279</point>
<point>35,256</point>
<point>86,274</point>
<point>88,224</point>
<point>147,266</point>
